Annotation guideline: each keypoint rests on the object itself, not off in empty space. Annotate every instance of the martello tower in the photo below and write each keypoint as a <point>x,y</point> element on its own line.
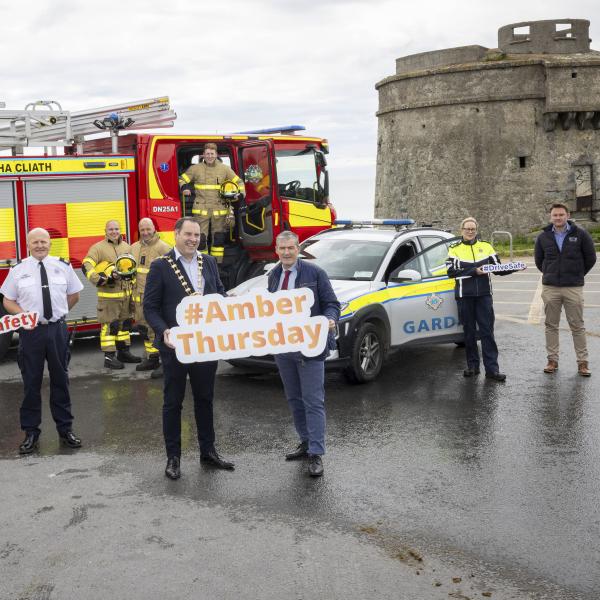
<point>498,134</point>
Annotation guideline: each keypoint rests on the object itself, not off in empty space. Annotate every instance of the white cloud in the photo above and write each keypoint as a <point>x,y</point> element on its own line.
<point>237,65</point>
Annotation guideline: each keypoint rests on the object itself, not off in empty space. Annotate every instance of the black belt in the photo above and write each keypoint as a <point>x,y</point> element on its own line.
<point>51,323</point>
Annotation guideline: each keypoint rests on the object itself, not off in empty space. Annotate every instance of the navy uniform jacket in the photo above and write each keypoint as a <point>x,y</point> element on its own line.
<point>326,302</point>
<point>164,292</point>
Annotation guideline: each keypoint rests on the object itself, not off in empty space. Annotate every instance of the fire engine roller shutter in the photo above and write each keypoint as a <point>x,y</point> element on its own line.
<point>8,244</point>
<point>75,212</point>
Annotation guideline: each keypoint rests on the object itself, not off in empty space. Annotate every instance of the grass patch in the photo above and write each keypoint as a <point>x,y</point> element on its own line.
<point>523,244</point>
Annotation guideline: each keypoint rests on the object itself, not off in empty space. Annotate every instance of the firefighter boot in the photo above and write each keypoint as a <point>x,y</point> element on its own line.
<point>150,363</point>
<point>124,355</point>
<point>157,373</point>
<point>112,362</point>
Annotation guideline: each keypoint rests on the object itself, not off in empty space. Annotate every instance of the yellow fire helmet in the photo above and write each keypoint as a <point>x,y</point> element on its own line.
<point>229,190</point>
<point>105,268</point>
<point>125,266</point>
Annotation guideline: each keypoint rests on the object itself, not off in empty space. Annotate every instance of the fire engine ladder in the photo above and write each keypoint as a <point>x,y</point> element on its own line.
<point>44,123</point>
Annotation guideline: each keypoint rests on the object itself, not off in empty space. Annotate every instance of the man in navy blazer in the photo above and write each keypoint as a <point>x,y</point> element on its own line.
<point>304,378</point>
<point>183,272</point>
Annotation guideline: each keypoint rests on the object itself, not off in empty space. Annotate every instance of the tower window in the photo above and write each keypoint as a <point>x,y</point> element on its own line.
<point>521,34</point>
<point>522,162</point>
<point>563,30</point>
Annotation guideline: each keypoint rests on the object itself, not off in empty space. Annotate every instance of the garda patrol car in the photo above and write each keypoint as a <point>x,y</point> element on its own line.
<point>390,278</point>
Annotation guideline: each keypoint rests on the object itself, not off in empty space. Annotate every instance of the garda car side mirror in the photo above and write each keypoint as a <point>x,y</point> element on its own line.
<point>406,275</point>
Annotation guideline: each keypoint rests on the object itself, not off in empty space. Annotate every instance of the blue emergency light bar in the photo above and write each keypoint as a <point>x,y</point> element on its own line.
<point>388,222</point>
<point>285,129</point>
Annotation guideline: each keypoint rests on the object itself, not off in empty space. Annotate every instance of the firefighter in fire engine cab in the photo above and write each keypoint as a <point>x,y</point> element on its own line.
<point>213,214</point>
<point>145,250</point>
<point>114,295</point>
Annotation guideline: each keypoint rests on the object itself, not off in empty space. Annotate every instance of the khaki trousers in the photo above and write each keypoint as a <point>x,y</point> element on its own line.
<point>146,332</point>
<point>571,298</point>
<point>212,214</point>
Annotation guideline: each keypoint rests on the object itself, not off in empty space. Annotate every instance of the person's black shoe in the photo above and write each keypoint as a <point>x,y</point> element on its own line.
<point>496,376</point>
<point>125,356</point>
<point>68,438</point>
<point>112,362</point>
<point>172,471</point>
<point>300,452</point>
<point>212,458</point>
<point>30,443</point>
<point>157,373</point>
<point>471,372</point>
<point>149,364</point>
<point>315,465</point>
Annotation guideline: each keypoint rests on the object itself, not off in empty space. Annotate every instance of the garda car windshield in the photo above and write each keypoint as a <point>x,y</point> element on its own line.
<point>356,260</point>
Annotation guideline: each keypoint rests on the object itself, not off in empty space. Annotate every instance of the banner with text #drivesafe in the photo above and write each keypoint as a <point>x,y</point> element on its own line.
<point>258,323</point>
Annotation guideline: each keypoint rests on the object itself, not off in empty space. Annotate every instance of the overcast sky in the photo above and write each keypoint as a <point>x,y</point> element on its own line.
<point>232,65</point>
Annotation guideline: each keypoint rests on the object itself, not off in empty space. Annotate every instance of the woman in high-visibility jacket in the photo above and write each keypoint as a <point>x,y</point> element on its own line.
<point>473,292</point>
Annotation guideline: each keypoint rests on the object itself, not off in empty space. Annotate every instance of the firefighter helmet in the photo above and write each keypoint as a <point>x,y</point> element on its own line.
<point>125,266</point>
<point>229,190</point>
<point>105,268</point>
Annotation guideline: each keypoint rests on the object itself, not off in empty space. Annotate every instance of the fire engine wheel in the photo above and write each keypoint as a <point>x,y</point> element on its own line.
<point>256,269</point>
<point>249,270</point>
<point>5,340</point>
<point>368,352</point>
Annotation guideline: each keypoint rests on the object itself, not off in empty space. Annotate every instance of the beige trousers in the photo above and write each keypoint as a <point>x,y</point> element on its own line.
<point>571,298</point>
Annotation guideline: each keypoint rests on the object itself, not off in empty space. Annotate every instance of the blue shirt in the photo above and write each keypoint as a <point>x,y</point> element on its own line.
<point>292,280</point>
<point>560,236</point>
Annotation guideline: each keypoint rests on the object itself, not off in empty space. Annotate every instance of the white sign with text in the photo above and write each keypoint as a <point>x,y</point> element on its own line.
<point>255,324</point>
<point>26,320</point>
<point>511,266</point>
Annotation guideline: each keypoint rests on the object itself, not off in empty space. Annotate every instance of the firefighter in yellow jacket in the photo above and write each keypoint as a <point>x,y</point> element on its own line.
<point>149,247</point>
<point>114,296</point>
<point>210,210</point>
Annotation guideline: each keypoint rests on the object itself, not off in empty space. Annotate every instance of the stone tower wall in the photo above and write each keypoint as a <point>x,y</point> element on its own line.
<point>500,138</point>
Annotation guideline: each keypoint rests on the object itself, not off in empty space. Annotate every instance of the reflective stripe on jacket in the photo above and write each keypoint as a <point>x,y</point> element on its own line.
<point>101,252</point>
<point>207,181</point>
<point>463,260</point>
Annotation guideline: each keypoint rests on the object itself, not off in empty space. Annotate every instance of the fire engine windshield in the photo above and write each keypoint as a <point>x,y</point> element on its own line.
<point>357,260</point>
<point>298,175</point>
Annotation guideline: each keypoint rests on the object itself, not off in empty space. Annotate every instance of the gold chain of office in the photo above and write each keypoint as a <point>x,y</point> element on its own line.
<point>186,286</point>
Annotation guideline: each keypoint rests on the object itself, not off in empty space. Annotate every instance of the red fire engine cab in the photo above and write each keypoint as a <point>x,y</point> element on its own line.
<point>134,175</point>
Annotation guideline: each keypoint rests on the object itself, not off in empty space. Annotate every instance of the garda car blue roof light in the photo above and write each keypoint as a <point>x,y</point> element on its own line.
<point>374,222</point>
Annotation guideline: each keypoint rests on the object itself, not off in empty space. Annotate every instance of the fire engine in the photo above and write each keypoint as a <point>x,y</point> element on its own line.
<point>81,181</point>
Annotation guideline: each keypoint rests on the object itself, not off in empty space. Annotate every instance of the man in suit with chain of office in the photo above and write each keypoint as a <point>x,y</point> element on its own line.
<point>183,272</point>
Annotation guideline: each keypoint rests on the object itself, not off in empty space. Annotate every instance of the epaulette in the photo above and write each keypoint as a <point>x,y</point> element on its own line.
<point>64,260</point>
<point>17,263</point>
<point>458,243</point>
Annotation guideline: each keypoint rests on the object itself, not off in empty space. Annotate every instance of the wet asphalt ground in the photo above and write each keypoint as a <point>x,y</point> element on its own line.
<point>435,486</point>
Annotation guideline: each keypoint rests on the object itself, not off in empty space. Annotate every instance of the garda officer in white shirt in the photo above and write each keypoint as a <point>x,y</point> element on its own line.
<point>49,286</point>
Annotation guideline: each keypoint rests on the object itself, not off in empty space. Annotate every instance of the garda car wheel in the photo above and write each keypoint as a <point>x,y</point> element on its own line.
<point>368,352</point>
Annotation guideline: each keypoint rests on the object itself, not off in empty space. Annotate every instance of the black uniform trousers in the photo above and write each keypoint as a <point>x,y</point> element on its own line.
<point>36,346</point>
<point>202,380</point>
<point>477,314</point>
